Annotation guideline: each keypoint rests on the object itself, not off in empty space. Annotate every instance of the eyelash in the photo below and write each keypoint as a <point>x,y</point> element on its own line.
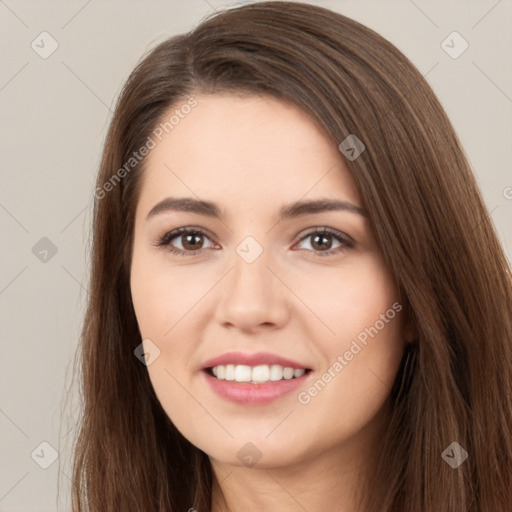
<point>165,240</point>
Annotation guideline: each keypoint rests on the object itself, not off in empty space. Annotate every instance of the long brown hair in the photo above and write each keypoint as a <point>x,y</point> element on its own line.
<point>429,220</point>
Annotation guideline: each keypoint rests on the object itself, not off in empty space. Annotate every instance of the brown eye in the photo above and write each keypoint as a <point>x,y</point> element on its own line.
<point>322,241</point>
<point>190,240</point>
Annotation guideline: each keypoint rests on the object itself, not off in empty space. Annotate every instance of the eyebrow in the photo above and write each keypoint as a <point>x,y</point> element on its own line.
<point>297,209</point>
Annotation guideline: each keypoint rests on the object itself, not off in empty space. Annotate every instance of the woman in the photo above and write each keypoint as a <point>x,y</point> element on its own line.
<point>298,300</point>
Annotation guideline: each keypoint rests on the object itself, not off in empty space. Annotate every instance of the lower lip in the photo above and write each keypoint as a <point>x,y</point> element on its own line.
<point>254,394</point>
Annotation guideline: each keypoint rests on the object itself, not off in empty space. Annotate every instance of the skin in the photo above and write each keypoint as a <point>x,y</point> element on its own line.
<point>252,155</point>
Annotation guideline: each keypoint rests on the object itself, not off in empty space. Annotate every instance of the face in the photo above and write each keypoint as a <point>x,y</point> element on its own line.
<point>297,302</point>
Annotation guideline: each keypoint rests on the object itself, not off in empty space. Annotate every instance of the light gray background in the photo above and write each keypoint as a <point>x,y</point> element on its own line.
<point>55,113</point>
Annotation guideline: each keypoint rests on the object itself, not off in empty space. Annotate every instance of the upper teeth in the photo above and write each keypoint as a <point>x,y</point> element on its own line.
<point>261,373</point>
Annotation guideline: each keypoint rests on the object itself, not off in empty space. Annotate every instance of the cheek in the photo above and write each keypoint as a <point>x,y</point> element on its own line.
<point>161,303</point>
<point>351,298</point>
<point>161,295</point>
<point>360,362</point>
<point>360,306</point>
<point>166,301</point>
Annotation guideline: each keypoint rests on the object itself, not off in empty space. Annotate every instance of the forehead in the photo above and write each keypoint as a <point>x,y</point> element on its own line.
<point>253,149</point>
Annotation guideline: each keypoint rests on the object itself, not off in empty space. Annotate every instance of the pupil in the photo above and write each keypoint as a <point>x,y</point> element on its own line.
<point>320,237</point>
<point>197,238</point>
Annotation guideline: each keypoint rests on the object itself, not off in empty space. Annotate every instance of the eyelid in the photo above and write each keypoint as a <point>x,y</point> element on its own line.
<point>164,241</point>
<point>167,237</point>
<point>346,242</point>
<point>325,230</point>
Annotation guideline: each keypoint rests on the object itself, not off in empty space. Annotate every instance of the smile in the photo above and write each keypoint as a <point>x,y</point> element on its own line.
<point>256,374</point>
<point>258,385</point>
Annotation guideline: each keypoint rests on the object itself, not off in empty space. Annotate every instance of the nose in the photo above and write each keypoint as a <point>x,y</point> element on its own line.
<point>253,297</point>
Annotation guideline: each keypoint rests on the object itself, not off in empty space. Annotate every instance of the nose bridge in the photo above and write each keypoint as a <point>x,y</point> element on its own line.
<point>251,278</point>
<point>251,295</point>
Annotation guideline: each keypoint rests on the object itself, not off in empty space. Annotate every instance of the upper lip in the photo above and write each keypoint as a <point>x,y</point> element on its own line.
<point>255,359</point>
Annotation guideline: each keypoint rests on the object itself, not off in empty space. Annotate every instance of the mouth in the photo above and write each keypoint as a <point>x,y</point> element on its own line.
<point>259,374</point>
<point>255,385</point>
